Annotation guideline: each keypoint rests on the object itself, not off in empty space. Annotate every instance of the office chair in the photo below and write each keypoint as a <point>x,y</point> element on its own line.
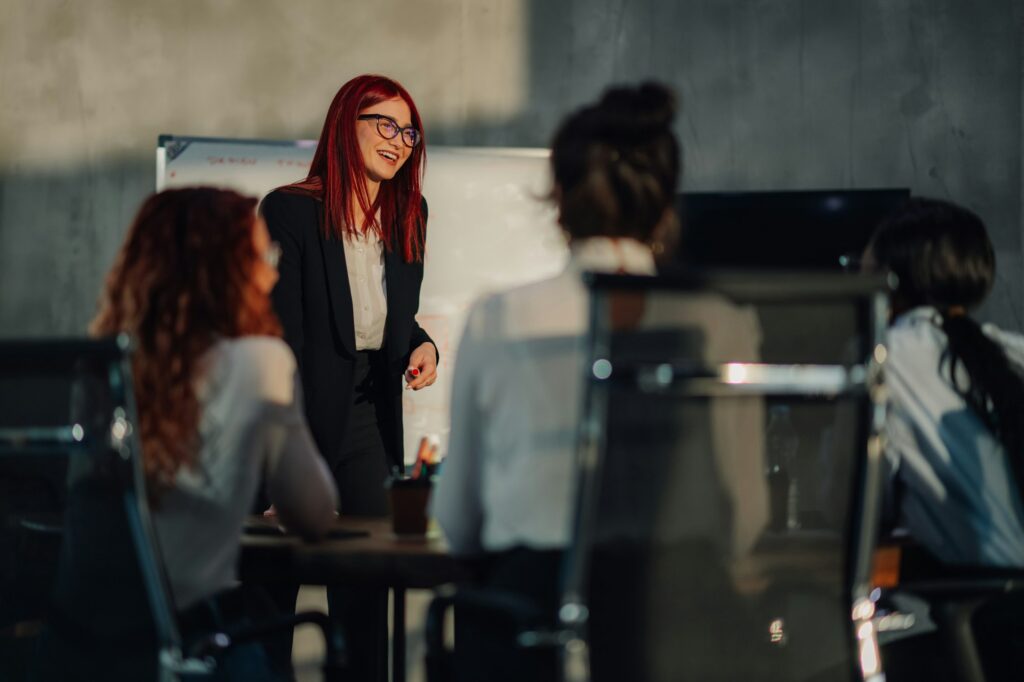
<point>956,595</point>
<point>107,611</point>
<point>673,499</point>
<point>669,576</point>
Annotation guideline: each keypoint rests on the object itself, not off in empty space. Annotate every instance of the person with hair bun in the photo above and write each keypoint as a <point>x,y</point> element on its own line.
<point>217,391</point>
<point>615,166</point>
<point>507,486</point>
<point>352,237</point>
<point>956,389</point>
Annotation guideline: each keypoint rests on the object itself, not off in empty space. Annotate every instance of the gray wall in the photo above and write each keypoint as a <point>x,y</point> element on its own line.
<point>777,94</point>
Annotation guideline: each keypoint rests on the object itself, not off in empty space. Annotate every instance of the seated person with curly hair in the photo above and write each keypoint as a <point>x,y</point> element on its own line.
<point>217,391</point>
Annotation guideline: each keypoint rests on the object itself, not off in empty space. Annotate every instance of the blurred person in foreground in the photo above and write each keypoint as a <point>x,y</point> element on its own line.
<point>217,391</point>
<point>508,484</point>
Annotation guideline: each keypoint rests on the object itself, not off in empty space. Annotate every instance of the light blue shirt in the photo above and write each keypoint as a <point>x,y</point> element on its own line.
<point>950,483</point>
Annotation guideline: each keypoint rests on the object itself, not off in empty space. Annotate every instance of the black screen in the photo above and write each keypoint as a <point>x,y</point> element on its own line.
<point>781,230</point>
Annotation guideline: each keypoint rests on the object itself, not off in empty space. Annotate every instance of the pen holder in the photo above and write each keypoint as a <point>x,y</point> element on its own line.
<point>408,498</point>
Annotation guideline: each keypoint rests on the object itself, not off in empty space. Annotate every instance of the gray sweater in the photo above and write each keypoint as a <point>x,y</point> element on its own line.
<point>251,424</point>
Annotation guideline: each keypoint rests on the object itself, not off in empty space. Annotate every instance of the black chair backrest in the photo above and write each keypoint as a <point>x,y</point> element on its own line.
<point>688,560</point>
<point>69,448</point>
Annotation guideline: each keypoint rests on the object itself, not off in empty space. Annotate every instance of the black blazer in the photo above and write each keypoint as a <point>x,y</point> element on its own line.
<point>314,303</point>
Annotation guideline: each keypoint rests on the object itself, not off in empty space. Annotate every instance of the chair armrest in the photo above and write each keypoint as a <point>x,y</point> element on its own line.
<point>923,573</point>
<point>438,658</point>
<point>509,606</point>
<point>335,658</point>
<point>954,594</point>
<point>963,587</point>
<point>529,621</point>
<point>488,604</point>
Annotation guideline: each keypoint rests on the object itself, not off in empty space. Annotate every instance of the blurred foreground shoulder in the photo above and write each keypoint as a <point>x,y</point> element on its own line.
<point>268,365</point>
<point>289,213</point>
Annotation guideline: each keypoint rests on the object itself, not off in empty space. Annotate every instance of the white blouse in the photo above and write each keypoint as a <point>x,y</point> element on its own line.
<point>364,259</point>
<point>509,478</point>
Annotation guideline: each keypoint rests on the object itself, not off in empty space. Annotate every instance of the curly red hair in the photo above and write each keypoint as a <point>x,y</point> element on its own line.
<point>183,279</point>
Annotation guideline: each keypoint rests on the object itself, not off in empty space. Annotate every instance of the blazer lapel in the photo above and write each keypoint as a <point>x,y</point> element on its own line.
<point>393,265</point>
<point>339,292</point>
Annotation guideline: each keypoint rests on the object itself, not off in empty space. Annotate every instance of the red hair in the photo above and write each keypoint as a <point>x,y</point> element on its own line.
<point>182,279</point>
<point>337,175</point>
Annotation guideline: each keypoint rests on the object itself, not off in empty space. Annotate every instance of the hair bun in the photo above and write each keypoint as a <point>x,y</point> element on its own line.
<point>632,115</point>
<point>616,164</point>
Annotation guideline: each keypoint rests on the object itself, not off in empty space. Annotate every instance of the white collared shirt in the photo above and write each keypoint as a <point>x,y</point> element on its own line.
<point>364,259</point>
<point>950,481</point>
<point>509,478</point>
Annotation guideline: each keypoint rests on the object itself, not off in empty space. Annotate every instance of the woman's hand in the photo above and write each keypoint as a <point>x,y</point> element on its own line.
<point>422,370</point>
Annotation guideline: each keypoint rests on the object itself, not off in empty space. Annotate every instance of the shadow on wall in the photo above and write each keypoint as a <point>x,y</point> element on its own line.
<point>59,232</point>
<point>798,95</point>
<point>785,95</point>
<point>804,95</point>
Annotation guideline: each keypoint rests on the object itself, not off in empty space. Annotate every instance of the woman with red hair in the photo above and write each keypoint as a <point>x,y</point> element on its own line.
<point>215,386</point>
<point>352,235</point>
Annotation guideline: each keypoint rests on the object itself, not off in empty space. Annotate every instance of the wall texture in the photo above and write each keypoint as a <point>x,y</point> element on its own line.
<point>777,94</point>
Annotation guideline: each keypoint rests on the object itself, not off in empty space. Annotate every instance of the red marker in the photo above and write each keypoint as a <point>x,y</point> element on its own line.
<point>414,372</point>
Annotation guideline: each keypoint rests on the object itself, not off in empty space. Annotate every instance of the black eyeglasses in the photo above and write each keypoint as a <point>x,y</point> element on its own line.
<point>389,129</point>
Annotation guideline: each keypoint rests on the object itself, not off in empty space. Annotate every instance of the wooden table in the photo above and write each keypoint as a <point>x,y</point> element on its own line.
<point>376,557</point>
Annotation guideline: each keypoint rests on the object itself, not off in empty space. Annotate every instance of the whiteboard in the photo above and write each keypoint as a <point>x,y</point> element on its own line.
<point>489,229</point>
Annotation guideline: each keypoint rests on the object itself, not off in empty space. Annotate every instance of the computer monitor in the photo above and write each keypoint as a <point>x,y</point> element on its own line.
<point>805,230</point>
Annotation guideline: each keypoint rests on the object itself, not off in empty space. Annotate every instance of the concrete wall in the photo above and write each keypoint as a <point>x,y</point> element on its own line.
<point>777,94</point>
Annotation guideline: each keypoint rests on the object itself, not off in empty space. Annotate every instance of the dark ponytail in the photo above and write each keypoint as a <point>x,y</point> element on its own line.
<point>942,256</point>
<point>992,384</point>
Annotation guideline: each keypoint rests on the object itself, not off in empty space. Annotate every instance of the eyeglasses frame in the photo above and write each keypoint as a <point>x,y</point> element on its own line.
<point>400,130</point>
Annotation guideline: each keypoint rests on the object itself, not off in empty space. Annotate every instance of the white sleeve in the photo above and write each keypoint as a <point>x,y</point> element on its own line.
<point>742,457</point>
<point>298,481</point>
<point>456,503</point>
<point>895,429</point>
<point>900,433</point>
